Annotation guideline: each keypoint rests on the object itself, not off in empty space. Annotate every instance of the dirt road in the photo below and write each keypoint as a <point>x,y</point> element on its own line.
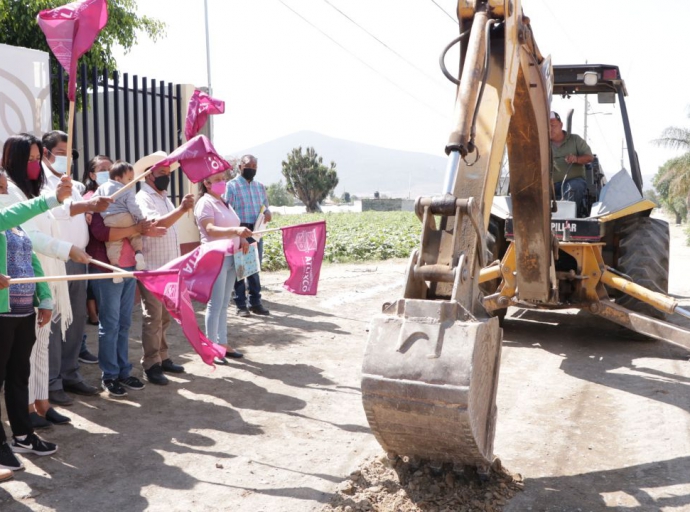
<point>590,415</point>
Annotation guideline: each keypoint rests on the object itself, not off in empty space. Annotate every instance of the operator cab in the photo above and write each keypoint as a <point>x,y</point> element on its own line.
<point>596,93</point>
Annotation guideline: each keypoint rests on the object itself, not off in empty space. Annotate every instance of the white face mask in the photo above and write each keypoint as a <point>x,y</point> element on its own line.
<point>60,164</point>
<point>102,177</point>
<point>6,200</point>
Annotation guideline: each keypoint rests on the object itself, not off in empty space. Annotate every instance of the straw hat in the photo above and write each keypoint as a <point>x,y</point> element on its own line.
<point>148,161</point>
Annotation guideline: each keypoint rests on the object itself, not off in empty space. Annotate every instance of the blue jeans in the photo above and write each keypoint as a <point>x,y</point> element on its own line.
<point>217,307</point>
<point>253,283</point>
<point>115,302</point>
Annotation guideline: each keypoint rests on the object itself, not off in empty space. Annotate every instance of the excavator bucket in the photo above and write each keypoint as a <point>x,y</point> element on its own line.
<point>429,382</point>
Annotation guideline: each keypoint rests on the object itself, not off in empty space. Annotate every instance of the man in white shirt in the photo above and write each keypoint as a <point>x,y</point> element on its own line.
<point>155,205</point>
<point>64,354</point>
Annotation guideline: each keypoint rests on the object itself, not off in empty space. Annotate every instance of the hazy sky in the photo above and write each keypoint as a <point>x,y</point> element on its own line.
<point>278,74</point>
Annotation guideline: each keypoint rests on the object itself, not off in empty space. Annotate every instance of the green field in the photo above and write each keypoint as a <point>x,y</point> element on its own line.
<point>351,236</point>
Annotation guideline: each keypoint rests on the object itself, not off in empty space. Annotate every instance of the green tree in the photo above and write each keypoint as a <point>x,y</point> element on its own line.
<point>346,197</point>
<point>278,195</point>
<point>676,172</point>
<point>18,27</point>
<point>663,181</point>
<point>308,179</point>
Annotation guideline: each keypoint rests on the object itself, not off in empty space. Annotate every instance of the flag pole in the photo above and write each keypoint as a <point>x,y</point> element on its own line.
<point>70,135</point>
<point>117,270</point>
<point>264,231</point>
<point>75,277</point>
<point>131,184</point>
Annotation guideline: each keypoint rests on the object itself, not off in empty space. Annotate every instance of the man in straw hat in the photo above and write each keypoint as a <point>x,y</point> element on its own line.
<point>156,206</point>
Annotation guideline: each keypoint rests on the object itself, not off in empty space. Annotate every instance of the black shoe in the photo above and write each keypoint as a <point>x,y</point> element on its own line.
<point>113,387</point>
<point>38,421</point>
<point>33,444</point>
<point>81,388</point>
<point>243,312</point>
<point>8,460</point>
<point>87,358</point>
<point>59,397</point>
<point>170,367</point>
<point>259,310</point>
<point>132,383</point>
<point>56,418</point>
<point>155,375</point>
<point>235,354</point>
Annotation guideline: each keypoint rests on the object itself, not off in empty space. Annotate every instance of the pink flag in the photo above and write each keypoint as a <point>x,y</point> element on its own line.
<point>201,105</point>
<point>303,246</point>
<point>199,268</point>
<point>170,289</point>
<point>198,159</point>
<point>70,31</point>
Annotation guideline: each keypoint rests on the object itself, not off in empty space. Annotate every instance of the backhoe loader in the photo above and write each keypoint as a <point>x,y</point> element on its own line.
<point>431,366</point>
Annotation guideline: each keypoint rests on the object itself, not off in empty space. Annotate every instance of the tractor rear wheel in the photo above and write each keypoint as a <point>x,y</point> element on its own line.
<point>643,255</point>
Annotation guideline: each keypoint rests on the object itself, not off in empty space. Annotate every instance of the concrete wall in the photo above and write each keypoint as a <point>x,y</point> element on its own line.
<point>24,92</point>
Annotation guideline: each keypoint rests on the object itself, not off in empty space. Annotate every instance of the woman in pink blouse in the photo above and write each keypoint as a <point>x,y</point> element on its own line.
<point>217,220</point>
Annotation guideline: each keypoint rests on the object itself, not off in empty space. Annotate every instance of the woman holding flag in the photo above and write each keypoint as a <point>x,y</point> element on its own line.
<point>217,220</point>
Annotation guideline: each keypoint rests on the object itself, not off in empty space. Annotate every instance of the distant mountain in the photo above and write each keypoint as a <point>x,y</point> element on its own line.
<point>362,169</point>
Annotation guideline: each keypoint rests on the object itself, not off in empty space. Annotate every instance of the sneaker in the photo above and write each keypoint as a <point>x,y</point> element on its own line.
<point>141,262</point>
<point>87,357</point>
<point>113,387</point>
<point>155,375</point>
<point>8,460</point>
<point>220,360</point>
<point>33,444</point>
<point>243,312</point>
<point>132,383</point>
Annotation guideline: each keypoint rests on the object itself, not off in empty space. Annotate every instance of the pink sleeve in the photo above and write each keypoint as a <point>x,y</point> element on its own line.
<point>205,212</point>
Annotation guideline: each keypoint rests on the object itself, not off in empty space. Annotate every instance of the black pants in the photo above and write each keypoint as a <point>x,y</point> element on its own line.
<point>16,342</point>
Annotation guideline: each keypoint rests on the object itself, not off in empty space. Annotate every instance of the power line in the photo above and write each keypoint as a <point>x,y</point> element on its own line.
<point>383,44</point>
<point>445,12</point>
<point>366,64</point>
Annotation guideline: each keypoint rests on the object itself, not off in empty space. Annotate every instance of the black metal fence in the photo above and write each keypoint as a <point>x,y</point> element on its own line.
<point>124,118</point>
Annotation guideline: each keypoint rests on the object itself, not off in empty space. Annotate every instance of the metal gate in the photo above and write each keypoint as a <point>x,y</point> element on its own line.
<point>124,118</point>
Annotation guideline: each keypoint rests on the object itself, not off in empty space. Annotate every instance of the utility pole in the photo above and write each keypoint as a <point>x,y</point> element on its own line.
<point>586,113</point>
<point>208,68</point>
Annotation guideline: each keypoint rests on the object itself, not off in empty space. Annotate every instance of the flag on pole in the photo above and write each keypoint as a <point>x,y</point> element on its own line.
<point>198,159</point>
<point>303,246</point>
<point>199,268</point>
<point>201,105</point>
<point>70,31</point>
<point>170,288</point>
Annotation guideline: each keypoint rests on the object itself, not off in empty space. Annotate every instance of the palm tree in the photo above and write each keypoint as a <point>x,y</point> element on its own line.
<point>676,171</point>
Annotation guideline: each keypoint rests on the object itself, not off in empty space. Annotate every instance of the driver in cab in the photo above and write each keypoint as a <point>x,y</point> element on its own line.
<point>570,155</point>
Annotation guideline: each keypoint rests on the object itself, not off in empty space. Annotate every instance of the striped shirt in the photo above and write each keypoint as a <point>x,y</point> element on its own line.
<point>158,250</point>
<point>246,198</point>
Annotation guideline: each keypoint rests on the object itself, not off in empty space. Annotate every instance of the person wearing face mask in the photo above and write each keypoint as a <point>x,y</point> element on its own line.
<point>19,320</point>
<point>155,205</point>
<point>97,172</point>
<point>247,196</point>
<point>69,225</point>
<point>22,160</point>
<point>217,220</point>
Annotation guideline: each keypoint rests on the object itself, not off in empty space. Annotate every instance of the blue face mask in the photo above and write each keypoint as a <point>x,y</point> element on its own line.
<point>60,164</point>
<point>102,177</point>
